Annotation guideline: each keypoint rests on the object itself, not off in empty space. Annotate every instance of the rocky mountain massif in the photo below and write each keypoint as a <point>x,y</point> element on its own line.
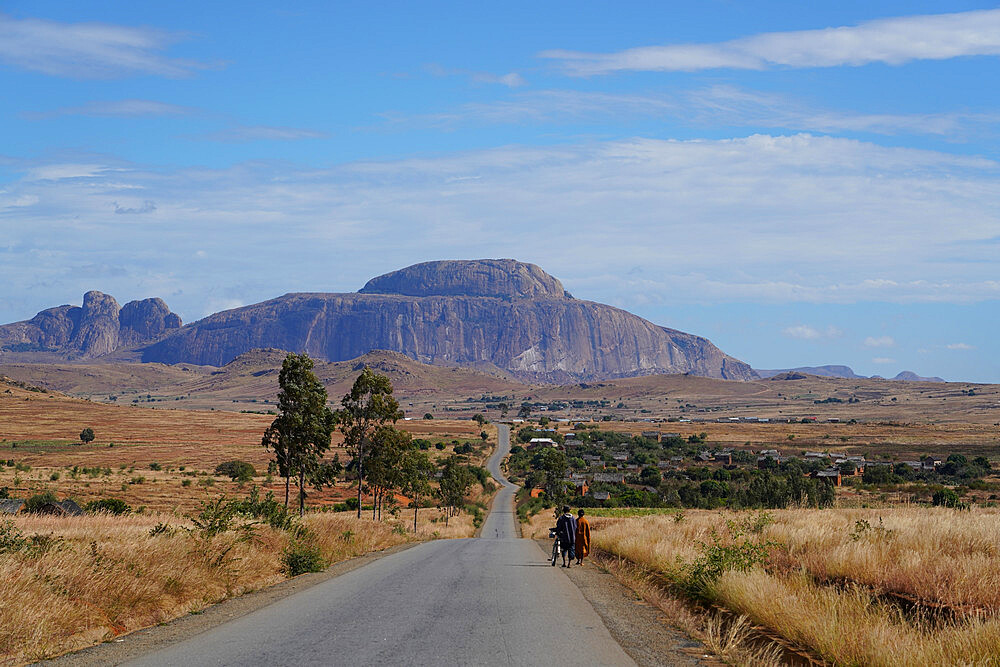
<point>491,314</point>
<point>834,371</point>
<point>97,329</point>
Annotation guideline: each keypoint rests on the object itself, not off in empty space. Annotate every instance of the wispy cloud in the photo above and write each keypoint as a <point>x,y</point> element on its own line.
<point>246,133</point>
<point>811,219</point>
<point>712,106</point>
<point>880,341</point>
<point>883,360</point>
<point>893,41</point>
<point>148,206</point>
<point>510,79</point>
<point>960,346</point>
<point>122,108</point>
<point>807,332</point>
<point>89,50</point>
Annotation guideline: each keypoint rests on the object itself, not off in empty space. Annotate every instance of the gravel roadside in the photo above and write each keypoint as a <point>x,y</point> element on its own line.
<point>639,628</point>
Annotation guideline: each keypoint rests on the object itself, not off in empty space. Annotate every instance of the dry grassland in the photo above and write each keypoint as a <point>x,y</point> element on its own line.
<point>41,431</point>
<point>88,579</point>
<point>850,586</point>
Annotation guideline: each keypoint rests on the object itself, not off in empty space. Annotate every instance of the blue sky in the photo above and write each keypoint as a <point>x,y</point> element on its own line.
<point>801,184</point>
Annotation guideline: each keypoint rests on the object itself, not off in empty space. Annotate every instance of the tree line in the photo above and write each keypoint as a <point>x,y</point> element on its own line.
<point>383,459</point>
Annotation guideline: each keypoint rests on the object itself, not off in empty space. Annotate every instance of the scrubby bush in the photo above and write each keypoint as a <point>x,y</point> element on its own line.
<point>87,435</point>
<point>108,505</point>
<point>36,502</point>
<point>236,470</point>
<point>301,556</point>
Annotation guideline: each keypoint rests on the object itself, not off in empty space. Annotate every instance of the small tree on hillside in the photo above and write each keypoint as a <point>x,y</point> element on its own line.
<point>455,482</point>
<point>382,463</point>
<point>87,435</point>
<point>300,434</point>
<point>368,406</point>
<point>416,469</point>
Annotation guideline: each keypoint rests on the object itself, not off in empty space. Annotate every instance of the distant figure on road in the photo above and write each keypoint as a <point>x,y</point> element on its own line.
<point>582,538</point>
<point>566,530</point>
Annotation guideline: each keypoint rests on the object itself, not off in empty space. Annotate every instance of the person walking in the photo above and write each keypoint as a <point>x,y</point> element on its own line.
<point>566,529</point>
<point>582,538</point>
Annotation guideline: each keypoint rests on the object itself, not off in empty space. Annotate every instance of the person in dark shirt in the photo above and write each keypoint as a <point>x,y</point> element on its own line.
<point>566,530</point>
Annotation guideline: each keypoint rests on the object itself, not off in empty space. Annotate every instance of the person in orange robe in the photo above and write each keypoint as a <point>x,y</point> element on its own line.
<point>582,538</point>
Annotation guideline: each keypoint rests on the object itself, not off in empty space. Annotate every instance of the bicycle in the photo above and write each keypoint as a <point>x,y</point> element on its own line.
<point>556,547</point>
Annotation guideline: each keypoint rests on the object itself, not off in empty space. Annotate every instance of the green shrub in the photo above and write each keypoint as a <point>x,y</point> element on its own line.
<point>303,556</point>
<point>155,466</point>
<point>946,498</point>
<point>35,503</point>
<point>109,506</point>
<point>236,470</point>
<point>11,539</point>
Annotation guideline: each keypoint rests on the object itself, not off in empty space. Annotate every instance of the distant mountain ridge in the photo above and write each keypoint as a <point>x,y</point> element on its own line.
<point>838,371</point>
<point>493,313</point>
<point>99,328</point>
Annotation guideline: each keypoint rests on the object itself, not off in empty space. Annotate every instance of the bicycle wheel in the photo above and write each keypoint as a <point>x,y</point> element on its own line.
<point>555,552</point>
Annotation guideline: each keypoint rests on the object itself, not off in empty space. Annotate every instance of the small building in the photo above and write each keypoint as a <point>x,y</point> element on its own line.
<point>619,456</point>
<point>832,474</point>
<point>609,477</point>
<point>651,435</point>
<point>536,493</point>
<point>541,442</point>
<point>600,495</point>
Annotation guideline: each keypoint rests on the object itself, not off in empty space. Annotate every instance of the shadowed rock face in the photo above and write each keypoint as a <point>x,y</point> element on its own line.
<point>499,312</point>
<point>96,329</point>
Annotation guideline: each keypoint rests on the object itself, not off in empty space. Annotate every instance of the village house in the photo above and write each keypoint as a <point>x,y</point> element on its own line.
<point>600,495</point>
<point>832,474</point>
<point>609,477</point>
<point>535,443</point>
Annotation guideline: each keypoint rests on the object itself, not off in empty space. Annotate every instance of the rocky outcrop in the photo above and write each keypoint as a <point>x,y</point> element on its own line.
<point>501,278</point>
<point>488,312</point>
<point>495,314</point>
<point>910,376</point>
<point>96,329</point>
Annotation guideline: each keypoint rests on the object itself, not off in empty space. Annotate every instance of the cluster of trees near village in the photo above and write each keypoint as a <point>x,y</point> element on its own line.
<point>383,459</point>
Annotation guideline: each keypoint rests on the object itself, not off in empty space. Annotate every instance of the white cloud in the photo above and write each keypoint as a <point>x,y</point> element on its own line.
<point>880,341</point>
<point>960,346</point>
<point>893,41</point>
<point>766,219</point>
<point>807,332</point>
<point>124,108</point>
<point>88,50</point>
<point>56,172</point>
<point>883,360</point>
<point>712,106</point>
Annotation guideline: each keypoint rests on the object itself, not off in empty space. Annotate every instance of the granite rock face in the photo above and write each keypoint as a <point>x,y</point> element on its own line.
<point>501,278</point>
<point>500,312</point>
<point>96,329</point>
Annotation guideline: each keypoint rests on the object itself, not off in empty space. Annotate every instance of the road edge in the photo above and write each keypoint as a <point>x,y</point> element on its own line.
<point>639,628</point>
<point>135,644</point>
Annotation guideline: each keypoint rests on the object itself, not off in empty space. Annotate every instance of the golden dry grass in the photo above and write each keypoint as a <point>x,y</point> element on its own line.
<point>102,576</point>
<point>830,583</point>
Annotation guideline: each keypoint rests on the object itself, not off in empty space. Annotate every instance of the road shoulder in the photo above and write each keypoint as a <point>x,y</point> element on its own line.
<point>139,643</point>
<point>638,627</point>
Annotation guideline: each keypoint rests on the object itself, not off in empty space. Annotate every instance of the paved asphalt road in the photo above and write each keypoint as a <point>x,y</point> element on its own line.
<point>492,600</point>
